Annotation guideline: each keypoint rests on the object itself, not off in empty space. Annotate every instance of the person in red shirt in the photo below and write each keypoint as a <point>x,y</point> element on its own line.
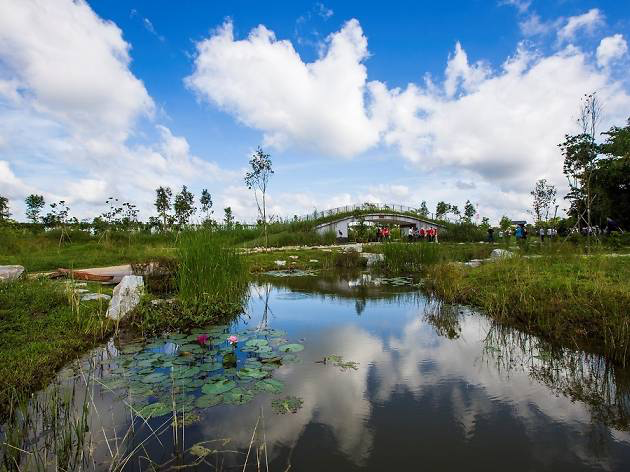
<point>422,233</point>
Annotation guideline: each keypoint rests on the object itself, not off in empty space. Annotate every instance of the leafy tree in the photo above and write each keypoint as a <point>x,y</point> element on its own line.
<point>441,210</point>
<point>455,211</point>
<point>206,203</point>
<point>543,198</point>
<point>469,211</point>
<point>163,204</point>
<point>4,208</point>
<point>228,217</point>
<point>505,223</point>
<point>485,223</point>
<point>424,210</point>
<point>258,179</point>
<point>34,206</point>
<point>184,206</point>
<point>580,157</point>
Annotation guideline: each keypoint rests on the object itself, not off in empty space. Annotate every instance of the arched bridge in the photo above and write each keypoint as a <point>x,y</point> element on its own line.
<point>340,226</point>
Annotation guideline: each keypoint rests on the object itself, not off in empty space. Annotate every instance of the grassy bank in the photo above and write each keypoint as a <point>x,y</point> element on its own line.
<point>211,281</point>
<point>42,327</point>
<point>42,251</point>
<point>575,300</point>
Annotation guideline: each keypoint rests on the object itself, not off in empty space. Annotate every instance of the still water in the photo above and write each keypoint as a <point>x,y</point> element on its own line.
<point>433,388</point>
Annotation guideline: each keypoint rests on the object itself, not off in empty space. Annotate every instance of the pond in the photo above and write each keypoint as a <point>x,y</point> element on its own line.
<point>335,372</point>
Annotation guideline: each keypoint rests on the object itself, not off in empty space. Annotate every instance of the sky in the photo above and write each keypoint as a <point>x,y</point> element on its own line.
<point>397,102</point>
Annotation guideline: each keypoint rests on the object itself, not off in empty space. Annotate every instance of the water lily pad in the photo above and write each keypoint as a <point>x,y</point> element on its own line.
<point>219,386</point>
<point>256,343</point>
<point>185,372</point>
<point>291,348</point>
<point>252,373</point>
<point>269,385</point>
<point>238,396</point>
<point>154,378</point>
<point>286,405</point>
<point>291,359</point>
<point>206,401</point>
<point>199,451</point>
<point>154,410</point>
<point>132,348</point>
<point>210,366</point>
<point>253,363</point>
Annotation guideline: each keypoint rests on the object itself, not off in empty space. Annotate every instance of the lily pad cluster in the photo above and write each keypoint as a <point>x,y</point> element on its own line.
<point>395,281</point>
<point>199,370</point>
<point>338,361</point>
<point>283,406</point>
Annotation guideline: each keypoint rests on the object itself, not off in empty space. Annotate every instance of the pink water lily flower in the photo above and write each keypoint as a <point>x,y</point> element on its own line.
<point>232,339</point>
<point>202,338</point>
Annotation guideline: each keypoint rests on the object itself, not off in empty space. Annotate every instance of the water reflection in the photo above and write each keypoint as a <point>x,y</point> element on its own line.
<point>436,386</point>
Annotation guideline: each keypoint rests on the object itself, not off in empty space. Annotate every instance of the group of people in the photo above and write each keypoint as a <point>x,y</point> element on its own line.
<point>429,234</point>
<point>549,232</point>
<point>382,234</point>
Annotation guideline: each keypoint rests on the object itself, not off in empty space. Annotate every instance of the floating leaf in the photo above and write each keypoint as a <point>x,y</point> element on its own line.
<point>219,386</point>
<point>199,451</point>
<point>238,396</point>
<point>185,372</point>
<point>153,378</point>
<point>210,366</point>
<point>286,405</point>
<point>132,348</point>
<point>257,343</point>
<point>269,385</point>
<point>291,348</point>
<point>154,410</point>
<point>252,373</point>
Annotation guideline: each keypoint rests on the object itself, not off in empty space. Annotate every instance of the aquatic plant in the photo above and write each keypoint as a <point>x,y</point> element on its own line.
<point>338,361</point>
<point>289,404</point>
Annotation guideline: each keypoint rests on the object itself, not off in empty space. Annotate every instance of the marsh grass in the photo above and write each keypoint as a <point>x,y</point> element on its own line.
<point>407,258</point>
<point>575,300</point>
<point>43,326</point>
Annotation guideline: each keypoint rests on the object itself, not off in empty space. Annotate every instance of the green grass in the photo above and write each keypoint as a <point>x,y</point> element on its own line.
<point>407,258</point>
<point>42,327</point>
<point>575,300</point>
<point>42,252</point>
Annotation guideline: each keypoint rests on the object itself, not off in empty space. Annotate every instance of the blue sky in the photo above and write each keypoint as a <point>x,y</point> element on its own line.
<point>356,101</point>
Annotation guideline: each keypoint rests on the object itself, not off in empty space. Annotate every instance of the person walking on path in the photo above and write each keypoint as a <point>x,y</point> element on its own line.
<point>541,232</point>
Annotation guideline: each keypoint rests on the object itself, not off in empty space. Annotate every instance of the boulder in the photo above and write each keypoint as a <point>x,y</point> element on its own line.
<point>497,253</point>
<point>372,258</point>
<point>126,296</point>
<point>11,272</point>
<point>281,263</point>
<point>86,297</point>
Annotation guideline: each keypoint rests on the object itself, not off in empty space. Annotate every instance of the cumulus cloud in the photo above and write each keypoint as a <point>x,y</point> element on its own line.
<point>69,106</point>
<point>265,84</point>
<point>610,49</point>
<point>502,125</point>
<point>589,22</point>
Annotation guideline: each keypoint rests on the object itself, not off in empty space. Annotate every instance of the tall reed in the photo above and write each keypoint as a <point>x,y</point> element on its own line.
<point>211,274</point>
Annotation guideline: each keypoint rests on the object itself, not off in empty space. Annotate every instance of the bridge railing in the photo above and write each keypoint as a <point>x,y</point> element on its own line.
<point>363,206</point>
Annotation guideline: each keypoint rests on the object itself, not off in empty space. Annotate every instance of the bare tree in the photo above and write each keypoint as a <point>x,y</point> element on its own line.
<point>257,179</point>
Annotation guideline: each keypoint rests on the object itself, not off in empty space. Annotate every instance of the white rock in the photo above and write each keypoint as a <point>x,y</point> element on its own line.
<point>10,272</point>
<point>294,257</point>
<point>372,258</point>
<point>497,253</point>
<point>81,290</point>
<point>313,261</point>
<point>94,296</point>
<point>126,296</point>
<point>281,263</point>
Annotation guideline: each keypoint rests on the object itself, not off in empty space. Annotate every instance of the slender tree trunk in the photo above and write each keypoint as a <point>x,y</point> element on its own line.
<point>265,220</point>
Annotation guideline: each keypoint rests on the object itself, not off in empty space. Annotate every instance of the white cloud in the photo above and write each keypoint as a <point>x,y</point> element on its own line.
<point>610,49</point>
<point>265,84</point>
<point>521,5</point>
<point>533,25</point>
<point>588,21</point>
<point>503,126</point>
<point>70,103</point>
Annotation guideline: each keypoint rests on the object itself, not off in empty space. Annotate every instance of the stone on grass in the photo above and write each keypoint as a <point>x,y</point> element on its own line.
<point>88,297</point>
<point>126,296</point>
<point>372,258</point>
<point>11,272</point>
<point>497,253</point>
<point>281,263</point>
<point>314,261</point>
